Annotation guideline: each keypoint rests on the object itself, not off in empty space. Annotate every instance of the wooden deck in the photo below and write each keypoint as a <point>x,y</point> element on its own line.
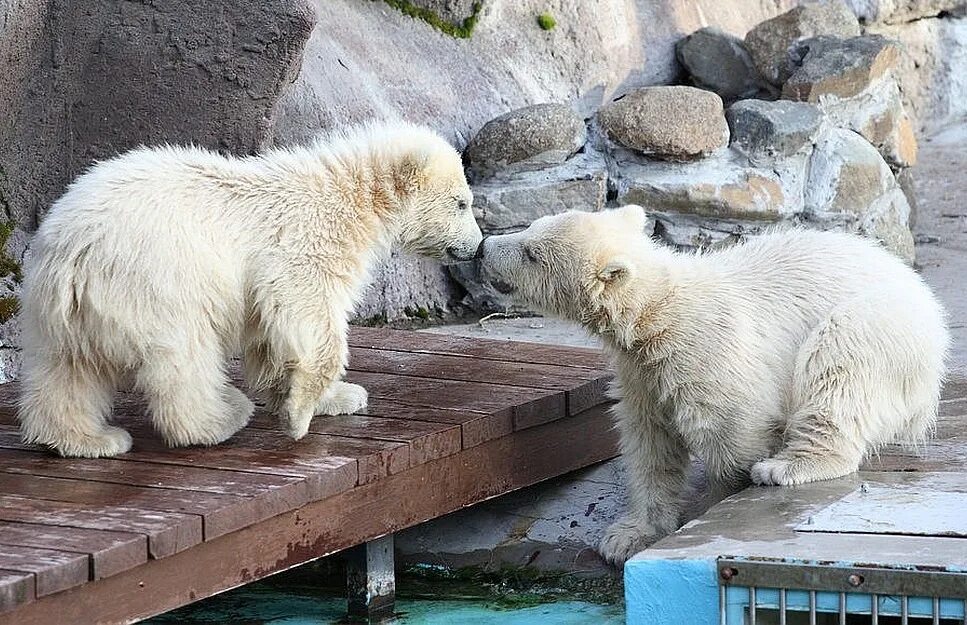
<point>451,422</point>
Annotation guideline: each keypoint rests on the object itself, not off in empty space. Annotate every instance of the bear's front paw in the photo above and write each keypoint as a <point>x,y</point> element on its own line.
<point>625,538</point>
<point>342,398</point>
<point>771,472</point>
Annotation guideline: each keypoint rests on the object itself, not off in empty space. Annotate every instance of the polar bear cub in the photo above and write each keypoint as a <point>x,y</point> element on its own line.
<point>788,358</point>
<point>157,266</point>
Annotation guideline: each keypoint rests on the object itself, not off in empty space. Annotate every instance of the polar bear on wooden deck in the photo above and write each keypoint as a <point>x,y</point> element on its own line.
<point>156,266</point>
<point>788,358</point>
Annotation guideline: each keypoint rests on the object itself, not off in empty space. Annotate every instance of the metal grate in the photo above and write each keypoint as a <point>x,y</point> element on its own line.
<point>781,593</point>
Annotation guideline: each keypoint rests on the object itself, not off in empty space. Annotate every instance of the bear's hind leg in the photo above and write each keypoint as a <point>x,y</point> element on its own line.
<point>64,404</point>
<point>844,399</point>
<point>190,397</point>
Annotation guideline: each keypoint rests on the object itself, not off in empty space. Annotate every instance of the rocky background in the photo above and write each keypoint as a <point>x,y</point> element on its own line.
<point>782,112</point>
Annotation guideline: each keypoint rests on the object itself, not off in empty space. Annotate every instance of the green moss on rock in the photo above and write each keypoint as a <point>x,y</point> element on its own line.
<point>9,306</point>
<point>8,266</point>
<point>462,30</point>
<point>546,21</point>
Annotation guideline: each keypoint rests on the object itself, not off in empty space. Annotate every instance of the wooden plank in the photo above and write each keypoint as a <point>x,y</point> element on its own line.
<point>426,440</point>
<point>219,512</point>
<point>53,570</point>
<point>110,552</point>
<point>122,470</point>
<point>953,407</point>
<point>469,369</point>
<point>476,427</point>
<point>525,406</point>
<point>326,465</point>
<point>515,351</point>
<point>321,528</point>
<point>954,389</point>
<point>167,532</point>
<point>582,391</point>
<point>16,589</point>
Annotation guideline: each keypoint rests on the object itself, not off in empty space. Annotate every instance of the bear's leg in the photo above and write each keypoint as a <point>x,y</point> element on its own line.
<point>65,402</point>
<point>656,459</point>
<point>314,380</point>
<point>858,383</point>
<point>190,397</point>
<point>266,378</point>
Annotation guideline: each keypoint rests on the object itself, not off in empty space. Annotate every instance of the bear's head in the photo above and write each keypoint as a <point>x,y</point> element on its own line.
<point>437,220</point>
<point>586,267</point>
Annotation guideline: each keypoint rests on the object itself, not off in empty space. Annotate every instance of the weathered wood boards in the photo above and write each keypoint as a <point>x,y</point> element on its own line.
<point>450,422</point>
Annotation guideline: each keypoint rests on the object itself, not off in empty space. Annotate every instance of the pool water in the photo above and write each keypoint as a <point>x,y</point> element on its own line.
<point>271,606</point>
<point>314,594</point>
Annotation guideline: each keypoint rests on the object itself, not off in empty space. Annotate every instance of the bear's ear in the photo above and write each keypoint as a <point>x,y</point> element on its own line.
<point>614,271</point>
<point>633,216</point>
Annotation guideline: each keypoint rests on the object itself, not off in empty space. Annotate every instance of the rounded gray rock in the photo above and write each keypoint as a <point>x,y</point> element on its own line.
<point>719,62</point>
<point>769,42</point>
<point>764,130</point>
<point>674,123</point>
<point>538,135</point>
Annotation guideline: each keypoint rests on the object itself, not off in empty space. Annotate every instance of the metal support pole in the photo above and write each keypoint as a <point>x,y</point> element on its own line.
<point>371,579</point>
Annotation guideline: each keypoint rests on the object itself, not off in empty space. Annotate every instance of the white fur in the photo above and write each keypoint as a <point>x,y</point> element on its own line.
<point>157,266</point>
<point>786,359</point>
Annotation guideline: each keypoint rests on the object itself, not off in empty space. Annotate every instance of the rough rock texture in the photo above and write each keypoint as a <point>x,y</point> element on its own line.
<point>765,130</point>
<point>902,11</point>
<point>716,188</point>
<point>676,123</point>
<point>13,247</point>
<point>719,62</point>
<point>851,186</point>
<point>452,11</point>
<point>769,41</point>
<point>932,71</point>
<point>511,200</point>
<point>879,115</point>
<point>528,137</point>
<point>838,67</point>
<point>87,80</point>
<point>367,59</point>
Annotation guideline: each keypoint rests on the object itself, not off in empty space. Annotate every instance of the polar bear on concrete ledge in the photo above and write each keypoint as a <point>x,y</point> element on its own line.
<point>155,267</point>
<point>788,358</point>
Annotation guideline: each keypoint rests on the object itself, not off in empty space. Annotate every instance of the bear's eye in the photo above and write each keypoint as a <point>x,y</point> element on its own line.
<point>462,205</point>
<point>529,253</point>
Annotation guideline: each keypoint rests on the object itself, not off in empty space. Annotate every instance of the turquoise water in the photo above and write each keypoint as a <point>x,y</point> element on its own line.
<point>254,605</point>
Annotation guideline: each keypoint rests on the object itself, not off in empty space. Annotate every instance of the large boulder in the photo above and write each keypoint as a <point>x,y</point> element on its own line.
<point>718,188</point>
<point>829,66</point>
<point>769,42</point>
<point>674,123</point>
<point>849,184</point>
<point>530,137</point>
<point>718,61</point>
<point>88,80</point>
<point>764,131</point>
